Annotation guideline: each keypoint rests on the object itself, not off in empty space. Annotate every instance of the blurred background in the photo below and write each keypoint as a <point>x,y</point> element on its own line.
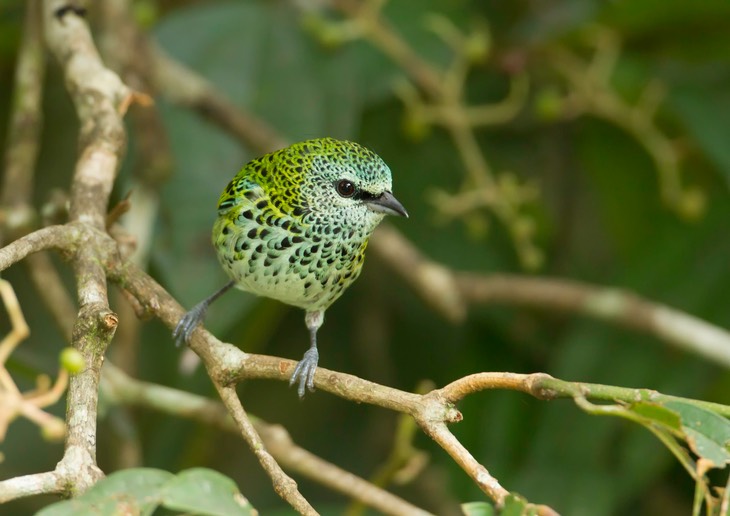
<point>601,133</point>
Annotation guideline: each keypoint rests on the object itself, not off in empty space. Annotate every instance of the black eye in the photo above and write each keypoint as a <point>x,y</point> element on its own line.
<point>345,188</point>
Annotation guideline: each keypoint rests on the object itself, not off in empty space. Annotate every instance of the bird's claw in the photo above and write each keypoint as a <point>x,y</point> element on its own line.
<point>187,324</point>
<point>304,372</point>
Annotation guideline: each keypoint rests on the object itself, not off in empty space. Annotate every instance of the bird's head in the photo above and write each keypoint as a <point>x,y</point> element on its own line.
<point>345,184</point>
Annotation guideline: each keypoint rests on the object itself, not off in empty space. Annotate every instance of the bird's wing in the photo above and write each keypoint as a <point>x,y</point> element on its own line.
<point>240,191</point>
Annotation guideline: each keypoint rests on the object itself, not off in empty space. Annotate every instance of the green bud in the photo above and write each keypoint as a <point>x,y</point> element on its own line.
<point>415,127</point>
<point>532,258</point>
<point>509,186</point>
<point>53,430</point>
<point>692,204</point>
<point>476,49</point>
<point>330,37</point>
<point>548,104</point>
<point>72,361</point>
<point>523,228</point>
<point>145,13</point>
<point>327,33</point>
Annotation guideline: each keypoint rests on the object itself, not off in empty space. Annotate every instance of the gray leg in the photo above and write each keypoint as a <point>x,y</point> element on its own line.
<point>195,316</point>
<point>308,364</point>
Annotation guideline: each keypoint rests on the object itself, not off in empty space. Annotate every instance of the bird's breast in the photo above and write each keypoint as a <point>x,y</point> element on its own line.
<point>279,258</point>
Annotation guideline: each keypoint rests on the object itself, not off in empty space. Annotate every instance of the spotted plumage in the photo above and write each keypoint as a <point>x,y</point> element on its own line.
<point>293,225</point>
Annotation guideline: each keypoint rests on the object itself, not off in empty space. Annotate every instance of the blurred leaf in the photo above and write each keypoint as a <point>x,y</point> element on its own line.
<point>694,29</point>
<point>141,483</point>
<point>646,15</point>
<point>624,182</point>
<point>142,490</point>
<point>204,491</point>
<point>478,509</point>
<point>704,114</point>
<point>120,505</point>
<point>135,491</point>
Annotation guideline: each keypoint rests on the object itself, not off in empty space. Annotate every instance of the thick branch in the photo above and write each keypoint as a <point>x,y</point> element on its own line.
<point>617,306</point>
<point>99,97</point>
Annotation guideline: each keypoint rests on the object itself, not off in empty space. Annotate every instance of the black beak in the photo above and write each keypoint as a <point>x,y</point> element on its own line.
<point>386,203</point>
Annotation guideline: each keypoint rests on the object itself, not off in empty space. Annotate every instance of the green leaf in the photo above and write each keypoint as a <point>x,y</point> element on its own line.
<point>81,507</point>
<point>706,448</point>
<point>649,15</point>
<point>707,433</point>
<point>204,491</point>
<point>515,505</point>
<point>131,491</point>
<point>705,421</point>
<point>142,490</point>
<point>140,483</point>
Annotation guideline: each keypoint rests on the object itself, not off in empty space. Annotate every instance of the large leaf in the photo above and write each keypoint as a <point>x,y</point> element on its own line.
<point>142,490</point>
<point>703,113</point>
<point>204,491</point>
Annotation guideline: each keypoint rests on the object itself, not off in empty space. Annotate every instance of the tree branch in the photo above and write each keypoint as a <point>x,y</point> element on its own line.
<point>64,238</point>
<point>617,306</point>
<point>100,99</point>
<point>50,482</point>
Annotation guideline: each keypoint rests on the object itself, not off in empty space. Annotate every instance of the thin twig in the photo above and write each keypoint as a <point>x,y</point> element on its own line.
<point>283,484</point>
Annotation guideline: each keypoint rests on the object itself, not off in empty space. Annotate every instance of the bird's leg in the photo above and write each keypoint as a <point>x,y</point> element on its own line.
<point>308,364</point>
<point>196,315</point>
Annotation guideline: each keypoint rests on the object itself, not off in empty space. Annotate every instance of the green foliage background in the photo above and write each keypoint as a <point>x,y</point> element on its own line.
<point>600,219</point>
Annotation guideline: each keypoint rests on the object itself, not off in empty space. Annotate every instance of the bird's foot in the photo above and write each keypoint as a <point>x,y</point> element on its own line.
<point>305,371</point>
<point>188,322</point>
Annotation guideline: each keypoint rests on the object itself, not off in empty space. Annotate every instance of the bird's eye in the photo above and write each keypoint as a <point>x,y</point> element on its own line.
<point>345,188</point>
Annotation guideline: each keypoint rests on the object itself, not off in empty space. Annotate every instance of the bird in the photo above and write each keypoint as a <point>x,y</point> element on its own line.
<point>293,226</point>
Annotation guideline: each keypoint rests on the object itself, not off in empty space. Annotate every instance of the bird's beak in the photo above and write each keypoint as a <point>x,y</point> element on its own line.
<point>386,203</point>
